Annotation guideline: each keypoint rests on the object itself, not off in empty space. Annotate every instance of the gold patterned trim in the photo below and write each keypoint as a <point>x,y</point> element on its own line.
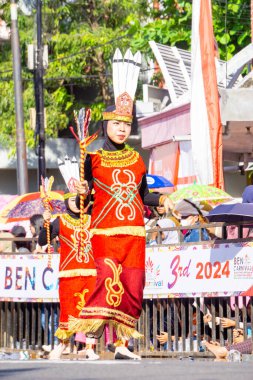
<point>93,325</point>
<point>92,311</point>
<point>114,287</point>
<point>63,334</point>
<point>70,222</point>
<point>118,158</point>
<point>77,272</point>
<point>69,195</point>
<point>114,116</point>
<point>124,230</point>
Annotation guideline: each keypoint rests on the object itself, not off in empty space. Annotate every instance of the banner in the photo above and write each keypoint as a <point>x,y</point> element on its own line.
<point>171,271</point>
<point>28,278</point>
<point>199,271</point>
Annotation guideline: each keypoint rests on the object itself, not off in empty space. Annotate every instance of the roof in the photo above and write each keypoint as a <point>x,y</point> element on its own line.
<point>175,65</point>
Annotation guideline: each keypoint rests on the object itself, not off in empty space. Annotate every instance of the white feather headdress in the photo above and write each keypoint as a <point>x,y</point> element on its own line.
<point>70,172</point>
<point>125,72</point>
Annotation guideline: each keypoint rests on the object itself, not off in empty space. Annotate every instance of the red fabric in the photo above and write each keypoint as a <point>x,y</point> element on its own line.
<point>71,291</point>
<point>125,180</point>
<point>131,256</point>
<point>70,258</point>
<point>119,258</point>
<point>74,290</point>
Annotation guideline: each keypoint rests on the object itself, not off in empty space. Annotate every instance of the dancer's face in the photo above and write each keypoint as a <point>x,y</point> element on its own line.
<point>72,205</point>
<point>118,131</point>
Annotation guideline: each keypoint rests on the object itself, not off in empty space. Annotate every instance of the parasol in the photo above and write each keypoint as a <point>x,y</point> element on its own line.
<point>202,193</point>
<point>231,213</point>
<point>26,205</point>
<point>157,181</point>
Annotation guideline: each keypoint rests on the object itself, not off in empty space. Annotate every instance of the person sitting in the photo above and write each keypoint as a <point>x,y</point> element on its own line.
<point>190,214</point>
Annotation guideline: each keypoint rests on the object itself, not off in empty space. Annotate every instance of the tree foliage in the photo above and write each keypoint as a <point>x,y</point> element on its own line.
<point>82,35</point>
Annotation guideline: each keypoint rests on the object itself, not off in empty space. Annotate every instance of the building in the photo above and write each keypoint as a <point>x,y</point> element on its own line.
<point>167,133</point>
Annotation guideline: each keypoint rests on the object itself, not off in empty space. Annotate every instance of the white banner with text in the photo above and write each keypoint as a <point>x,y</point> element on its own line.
<point>176,271</point>
<point>200,270</point>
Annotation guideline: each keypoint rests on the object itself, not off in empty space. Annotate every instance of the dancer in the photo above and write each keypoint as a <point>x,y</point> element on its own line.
<point>118,175</point>
<point>77,273</point>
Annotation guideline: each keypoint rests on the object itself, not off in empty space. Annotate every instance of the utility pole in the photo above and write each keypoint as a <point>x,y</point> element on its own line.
<point>39,96</point>
<point>22,174</point>
<point>251,19</point>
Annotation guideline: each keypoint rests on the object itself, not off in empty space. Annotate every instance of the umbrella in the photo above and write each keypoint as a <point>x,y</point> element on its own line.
<point>26,205</point>
<point>202,193</point>
<point>231,213</point>
<point>157,181</point>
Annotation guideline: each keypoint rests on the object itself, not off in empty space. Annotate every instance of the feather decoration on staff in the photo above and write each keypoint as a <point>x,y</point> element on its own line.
<point>45,188</point>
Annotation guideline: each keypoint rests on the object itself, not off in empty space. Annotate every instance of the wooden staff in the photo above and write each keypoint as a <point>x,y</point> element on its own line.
<point>45,191</point>
<point>47,225</point>
<point>82,196</point>
<point>82,123</point>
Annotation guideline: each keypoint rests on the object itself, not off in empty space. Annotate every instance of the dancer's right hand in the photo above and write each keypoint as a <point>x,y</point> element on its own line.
<point>47,216</point>
<point>82,188</point>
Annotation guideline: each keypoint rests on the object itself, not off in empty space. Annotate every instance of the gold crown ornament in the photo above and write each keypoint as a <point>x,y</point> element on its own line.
<point>125,72</point>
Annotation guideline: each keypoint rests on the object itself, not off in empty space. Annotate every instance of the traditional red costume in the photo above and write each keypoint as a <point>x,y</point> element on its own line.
<point>118,243</point>
<point>77,273</point>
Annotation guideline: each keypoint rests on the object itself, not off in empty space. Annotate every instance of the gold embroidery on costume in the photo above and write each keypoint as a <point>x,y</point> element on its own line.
<point>123,230</point>
<point>70,222</point>
<point>118,158</point>
<point>77,272</point>
<point>113,296</point>
<point>82,301</point>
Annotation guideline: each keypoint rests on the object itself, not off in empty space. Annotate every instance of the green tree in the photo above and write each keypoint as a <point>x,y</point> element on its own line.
<point>171,25</point>
<point>81,38</point>
<point>82,35</point>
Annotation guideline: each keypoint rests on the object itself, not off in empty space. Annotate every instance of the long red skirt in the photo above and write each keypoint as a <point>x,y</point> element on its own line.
<point>74,292</point>
<point>117,298</point>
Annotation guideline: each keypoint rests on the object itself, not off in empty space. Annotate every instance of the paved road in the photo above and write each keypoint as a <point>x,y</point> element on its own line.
<point>157,369</point>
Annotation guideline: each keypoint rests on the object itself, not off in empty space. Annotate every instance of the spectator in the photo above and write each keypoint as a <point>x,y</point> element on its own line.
<point>5,245</point>
<point>239,344</point>
<point>36,225</point>
<point>247,231</point>
<point>19,245</point>
<point>167,237</point>
<point>162,220</point>
<point>190,214</point>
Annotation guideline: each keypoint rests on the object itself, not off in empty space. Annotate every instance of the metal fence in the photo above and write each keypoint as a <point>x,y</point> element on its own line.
<point>30,325</point>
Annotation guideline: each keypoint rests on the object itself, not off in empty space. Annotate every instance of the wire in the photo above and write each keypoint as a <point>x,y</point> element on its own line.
<point>89,48</point>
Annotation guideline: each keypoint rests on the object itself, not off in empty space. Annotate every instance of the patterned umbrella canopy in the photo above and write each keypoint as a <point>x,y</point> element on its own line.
<point>26,205</point>
<point>201,193</point>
